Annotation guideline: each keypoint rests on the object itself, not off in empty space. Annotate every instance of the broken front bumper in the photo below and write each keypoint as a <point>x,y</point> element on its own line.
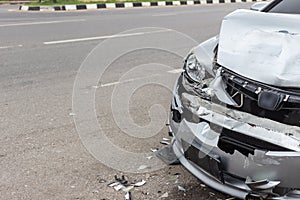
<point>234,152</point>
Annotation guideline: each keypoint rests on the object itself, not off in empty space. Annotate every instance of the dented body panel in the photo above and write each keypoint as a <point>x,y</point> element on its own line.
<point>204,127</point>
<point>238,129</point>
<point>268,42</point>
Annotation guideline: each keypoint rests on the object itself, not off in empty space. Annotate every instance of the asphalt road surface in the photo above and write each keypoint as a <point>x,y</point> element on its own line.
<point>42,154</point>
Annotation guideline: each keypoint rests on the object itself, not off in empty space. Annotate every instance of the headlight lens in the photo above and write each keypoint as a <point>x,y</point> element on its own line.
<point>194,69</point>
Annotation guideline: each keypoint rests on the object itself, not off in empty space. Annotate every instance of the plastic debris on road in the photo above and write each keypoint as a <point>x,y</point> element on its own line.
<point>113,184</point>
<point>100,180</point>
<point>119,187</point>
<point>127,189</point>
<point>181,188</point>
<point>167,155</point>
<point>165,195</point>
<point>149,157</point>
<point>121,183</point>
<point>128,196</point>
<point>139,184</point>
<point>122,180</point>
<point>142,167</point>
<point>164,142</point>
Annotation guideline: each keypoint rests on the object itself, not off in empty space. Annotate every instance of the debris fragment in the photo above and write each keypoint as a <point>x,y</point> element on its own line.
<point>72,114</point>
<point>154,150</point>
<point>122,180</point>
<point>127,189</point>
<point>211,194</point>
<point>101,180</point>
<point>119,187</point>
<point>167,155</point>
<point>231,198</point>
<point>95,192</point>
<point>164,142</point>
<point>128,196</point>
<point>142,167</point>
<point>149,157</point>
<point>148,176</point>
<point>165,195</point>
<point>139,184</point>
<point>202,185</point>
<point>113,184</point>
<point>181,188</point>
<point>121,183</point>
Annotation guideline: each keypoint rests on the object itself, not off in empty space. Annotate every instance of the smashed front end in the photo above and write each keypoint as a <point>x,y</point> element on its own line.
<point>237,135</point>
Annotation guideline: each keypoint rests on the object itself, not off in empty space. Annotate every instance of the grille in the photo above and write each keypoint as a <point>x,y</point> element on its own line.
<point>288,112</point>
<point>229,141</point>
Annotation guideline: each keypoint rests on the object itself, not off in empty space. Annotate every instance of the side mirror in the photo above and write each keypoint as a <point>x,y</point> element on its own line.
<point>258,6</point>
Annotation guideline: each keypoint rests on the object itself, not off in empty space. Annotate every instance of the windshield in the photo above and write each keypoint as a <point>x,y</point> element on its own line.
<point>285,6</point>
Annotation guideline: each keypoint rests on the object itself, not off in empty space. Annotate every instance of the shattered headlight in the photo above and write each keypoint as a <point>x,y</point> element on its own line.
<point>194,69</point>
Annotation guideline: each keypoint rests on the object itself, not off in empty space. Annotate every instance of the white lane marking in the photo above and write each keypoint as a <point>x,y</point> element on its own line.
<point>6,47</point>
<point>182,12</point>
<point>12,19</point>
<point>9,47</point>
<point>126,81</point>
<point>165,14</point>
<point>174,71</point>
<point>45,22</point>
<point>103,37</point>
<point>110,84</point>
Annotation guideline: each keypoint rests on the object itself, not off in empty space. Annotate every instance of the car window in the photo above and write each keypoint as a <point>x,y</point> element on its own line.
<point>286,6</point>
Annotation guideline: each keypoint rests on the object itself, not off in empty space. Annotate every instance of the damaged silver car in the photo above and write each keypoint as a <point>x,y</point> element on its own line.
<point>235,112</point>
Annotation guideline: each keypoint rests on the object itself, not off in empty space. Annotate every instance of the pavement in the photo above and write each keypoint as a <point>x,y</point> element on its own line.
<point>42,154</point>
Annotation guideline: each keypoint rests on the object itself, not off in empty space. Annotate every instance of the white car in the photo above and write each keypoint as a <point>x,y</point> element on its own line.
<point>235,112</point>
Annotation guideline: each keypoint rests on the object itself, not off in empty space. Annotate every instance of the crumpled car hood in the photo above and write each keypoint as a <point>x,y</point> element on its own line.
<point>262,46</point>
